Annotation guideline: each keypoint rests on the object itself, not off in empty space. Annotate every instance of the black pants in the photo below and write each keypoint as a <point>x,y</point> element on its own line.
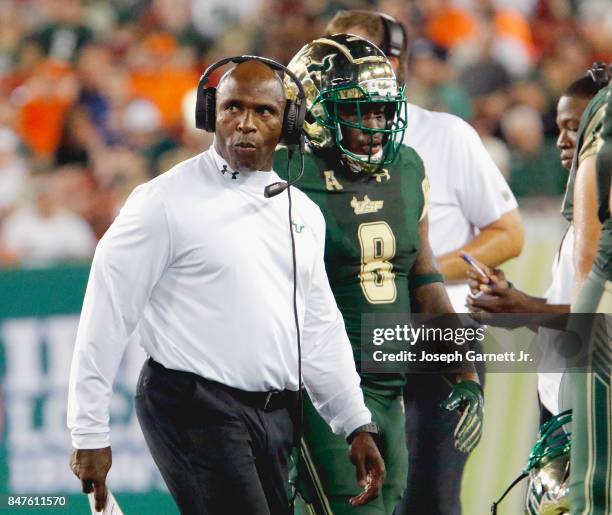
<point>435,467</point>
<point>217,453</point>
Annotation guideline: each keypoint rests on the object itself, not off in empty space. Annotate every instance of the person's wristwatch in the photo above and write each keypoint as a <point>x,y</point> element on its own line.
<point>371,428</point>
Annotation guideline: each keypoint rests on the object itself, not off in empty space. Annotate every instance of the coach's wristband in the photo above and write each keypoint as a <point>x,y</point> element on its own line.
<point>371,428</point>
<point>424,279</point>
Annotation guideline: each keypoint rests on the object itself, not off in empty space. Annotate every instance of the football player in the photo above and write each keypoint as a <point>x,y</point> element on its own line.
<point>589,394</point>
<point>471,209</point>
<point>580,202</point>
<point>557,299</point>
<point>372,191</point>
<point>549,474</point>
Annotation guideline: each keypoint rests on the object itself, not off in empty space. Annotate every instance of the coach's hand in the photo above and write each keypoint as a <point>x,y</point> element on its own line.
<point>370,468</point>
<point>467,397</point>
<point>91,467</point>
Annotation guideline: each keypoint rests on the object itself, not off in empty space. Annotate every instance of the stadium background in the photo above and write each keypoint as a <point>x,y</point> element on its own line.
<point>96,97</point>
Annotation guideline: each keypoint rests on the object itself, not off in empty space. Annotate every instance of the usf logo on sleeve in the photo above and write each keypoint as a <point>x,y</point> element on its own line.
<point>297,227</point>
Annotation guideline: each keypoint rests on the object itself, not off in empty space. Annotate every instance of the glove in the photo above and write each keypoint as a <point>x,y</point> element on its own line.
<point>466,396</point>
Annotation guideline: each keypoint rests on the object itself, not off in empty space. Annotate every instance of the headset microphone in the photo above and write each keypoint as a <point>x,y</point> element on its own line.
<point>271,190</point>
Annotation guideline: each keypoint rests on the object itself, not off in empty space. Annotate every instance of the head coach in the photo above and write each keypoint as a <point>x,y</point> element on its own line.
<point>226,291</point>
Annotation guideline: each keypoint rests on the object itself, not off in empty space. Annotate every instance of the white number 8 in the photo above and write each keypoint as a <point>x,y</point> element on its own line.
<point>377,279</point>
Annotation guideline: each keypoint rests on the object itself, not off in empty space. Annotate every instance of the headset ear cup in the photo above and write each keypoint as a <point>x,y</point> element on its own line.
<point>290,132</point>
<point>293,122</point>
<point>206,105</point>
<point>210,108</point>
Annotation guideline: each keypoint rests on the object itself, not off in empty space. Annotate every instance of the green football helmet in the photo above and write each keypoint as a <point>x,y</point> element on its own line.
<point>548,470</point>
<point>345,72</point>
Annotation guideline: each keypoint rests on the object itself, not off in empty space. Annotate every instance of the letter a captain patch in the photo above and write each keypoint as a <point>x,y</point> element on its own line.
<point>331,183</point>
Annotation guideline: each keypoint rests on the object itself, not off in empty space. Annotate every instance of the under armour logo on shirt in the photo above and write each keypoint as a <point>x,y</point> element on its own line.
<point>225,170</point>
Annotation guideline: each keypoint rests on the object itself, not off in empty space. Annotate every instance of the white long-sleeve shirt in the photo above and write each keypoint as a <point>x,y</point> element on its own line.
<point>198,263</point>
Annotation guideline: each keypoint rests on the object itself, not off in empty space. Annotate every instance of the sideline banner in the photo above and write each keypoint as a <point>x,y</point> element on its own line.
<point>39,313</point>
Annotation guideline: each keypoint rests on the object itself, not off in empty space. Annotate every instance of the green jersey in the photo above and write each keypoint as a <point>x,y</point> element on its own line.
<point>603,260</point>
<point>589,394</point>
<point>371,237</point>
<point>588,143</point>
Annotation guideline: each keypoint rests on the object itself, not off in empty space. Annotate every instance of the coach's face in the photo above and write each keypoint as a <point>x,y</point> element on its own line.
<point>569,112</point>
<point>250,107</point>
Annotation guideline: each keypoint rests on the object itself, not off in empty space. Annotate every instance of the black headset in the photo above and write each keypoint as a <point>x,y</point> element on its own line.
<point>295,110</point>
<point>394,40</point>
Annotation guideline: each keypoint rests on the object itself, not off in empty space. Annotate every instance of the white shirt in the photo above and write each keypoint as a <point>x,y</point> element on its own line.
<point>199,265</point>
<point>467,190</point>
<point>43,241</point>
<point>559,292</point>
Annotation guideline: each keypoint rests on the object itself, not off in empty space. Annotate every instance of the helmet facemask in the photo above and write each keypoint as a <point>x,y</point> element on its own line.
<point>344,107</point>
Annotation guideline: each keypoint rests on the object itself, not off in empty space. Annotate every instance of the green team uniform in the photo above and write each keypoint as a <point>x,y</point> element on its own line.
<point>589,394</point>
<point>371,245</point>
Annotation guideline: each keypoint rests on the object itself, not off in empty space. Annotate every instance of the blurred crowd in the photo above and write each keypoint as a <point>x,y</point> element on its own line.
<point>97,97</point>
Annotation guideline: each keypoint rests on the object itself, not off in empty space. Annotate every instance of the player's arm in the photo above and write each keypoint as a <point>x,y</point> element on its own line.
<point>587,227</point>
<point>428,294</point>
<point>496,243</point>
<point>128,262</point>
<point>331,378</point>
<point>501,297</point>
<point>431,297</point>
